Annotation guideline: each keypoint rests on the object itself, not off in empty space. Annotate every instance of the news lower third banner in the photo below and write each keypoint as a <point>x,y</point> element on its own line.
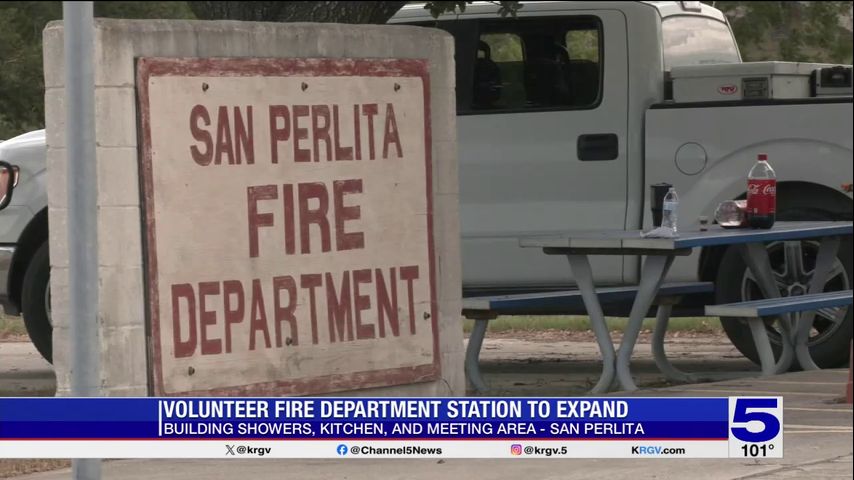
<point>355,428</point>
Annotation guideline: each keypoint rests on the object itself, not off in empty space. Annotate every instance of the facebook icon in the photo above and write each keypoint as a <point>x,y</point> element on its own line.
<point>342,449</point>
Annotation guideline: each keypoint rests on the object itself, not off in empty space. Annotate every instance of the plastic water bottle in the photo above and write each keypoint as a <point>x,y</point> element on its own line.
<point>669,210</point>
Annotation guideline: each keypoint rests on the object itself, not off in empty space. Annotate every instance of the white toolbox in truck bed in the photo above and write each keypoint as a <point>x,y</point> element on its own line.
<point>742,81</point>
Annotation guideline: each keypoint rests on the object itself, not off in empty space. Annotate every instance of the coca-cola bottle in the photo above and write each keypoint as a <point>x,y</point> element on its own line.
<point>761,194</point>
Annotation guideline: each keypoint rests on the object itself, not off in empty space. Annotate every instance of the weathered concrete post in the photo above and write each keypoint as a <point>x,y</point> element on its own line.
<point>277,209</point>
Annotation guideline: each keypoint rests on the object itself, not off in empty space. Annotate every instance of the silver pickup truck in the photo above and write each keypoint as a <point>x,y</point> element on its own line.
<point>566,115</point>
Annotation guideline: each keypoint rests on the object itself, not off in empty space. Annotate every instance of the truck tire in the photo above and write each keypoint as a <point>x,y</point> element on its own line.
<point>832,328</point>
<point>35,295</point>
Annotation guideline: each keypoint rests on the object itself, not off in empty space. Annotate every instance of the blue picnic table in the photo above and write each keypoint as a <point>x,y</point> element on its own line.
<point>660,253</point>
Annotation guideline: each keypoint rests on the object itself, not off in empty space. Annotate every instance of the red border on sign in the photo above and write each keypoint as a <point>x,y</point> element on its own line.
<point>267,67</point>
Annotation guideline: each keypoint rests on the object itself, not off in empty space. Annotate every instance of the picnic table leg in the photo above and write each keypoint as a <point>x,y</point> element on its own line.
<point>823,263</point>
<point>652,274</point>
<point>580,266</point>
<point>473,354</point>
<point>756,257</point>
<point>763,346</point>
<point>672,373</point>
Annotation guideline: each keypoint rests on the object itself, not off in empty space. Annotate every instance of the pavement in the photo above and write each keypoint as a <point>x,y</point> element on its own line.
<point>536,364</point>
<point>23,372</point>
<point>817,429</point>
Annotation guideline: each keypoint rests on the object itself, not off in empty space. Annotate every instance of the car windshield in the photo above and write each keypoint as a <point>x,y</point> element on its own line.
<point>692,40</point>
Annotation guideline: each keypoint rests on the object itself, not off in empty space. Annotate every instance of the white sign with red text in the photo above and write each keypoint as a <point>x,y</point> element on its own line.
<point>288,224</point>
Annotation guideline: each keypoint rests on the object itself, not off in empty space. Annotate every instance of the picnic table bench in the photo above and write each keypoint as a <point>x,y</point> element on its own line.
<point>486,308</point>
<point>660,254</point>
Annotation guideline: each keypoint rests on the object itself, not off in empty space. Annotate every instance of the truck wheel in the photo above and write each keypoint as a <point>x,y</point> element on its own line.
<point>35,302</point>
<point>793,263</point>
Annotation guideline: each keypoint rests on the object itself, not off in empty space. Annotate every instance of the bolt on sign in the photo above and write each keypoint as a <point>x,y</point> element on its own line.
<point>288,224</point>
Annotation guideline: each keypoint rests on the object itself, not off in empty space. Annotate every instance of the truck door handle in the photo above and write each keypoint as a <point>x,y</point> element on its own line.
<point>598,146</point>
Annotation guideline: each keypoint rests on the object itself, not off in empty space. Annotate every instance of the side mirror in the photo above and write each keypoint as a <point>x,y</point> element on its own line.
<point>8,181</point>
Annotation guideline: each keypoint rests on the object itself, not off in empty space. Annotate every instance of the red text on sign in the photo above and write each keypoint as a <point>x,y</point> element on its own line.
<point>358,304</point>
<point>304,208</point>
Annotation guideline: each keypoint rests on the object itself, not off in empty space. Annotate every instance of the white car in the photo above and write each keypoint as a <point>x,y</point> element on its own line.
<point>566,115</point>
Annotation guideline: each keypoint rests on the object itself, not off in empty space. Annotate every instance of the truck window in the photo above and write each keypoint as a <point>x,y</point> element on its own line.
<point>465,44</point>
<point>500,61</point>
<point>694,40</point>
<point>526,64</point>
<point>532,64</point>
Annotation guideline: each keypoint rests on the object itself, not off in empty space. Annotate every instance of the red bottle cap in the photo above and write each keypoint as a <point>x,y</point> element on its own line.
<point>762,156</point>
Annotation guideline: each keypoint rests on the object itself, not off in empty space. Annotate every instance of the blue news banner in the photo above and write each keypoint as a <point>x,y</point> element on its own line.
<point>391,427</point>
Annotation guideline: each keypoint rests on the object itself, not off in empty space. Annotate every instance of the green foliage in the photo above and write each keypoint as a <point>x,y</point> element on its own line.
<point>505,47</point>
<point>583,45</point>
<point>21,77</point>
<point>173,10</point>
<point>337,11</point>
<point>438,8</point>
<point>324,11</point>
<point>791,31</point>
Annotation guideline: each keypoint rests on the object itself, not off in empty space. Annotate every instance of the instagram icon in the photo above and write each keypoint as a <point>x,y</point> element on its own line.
<point>515,449</point>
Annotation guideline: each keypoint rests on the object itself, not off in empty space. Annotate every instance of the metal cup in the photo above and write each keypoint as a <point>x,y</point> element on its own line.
<point>657,192</point>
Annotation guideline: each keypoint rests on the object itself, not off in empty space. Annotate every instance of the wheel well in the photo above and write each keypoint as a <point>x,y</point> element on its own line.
<point>31,239</point>
<point>795,201</point>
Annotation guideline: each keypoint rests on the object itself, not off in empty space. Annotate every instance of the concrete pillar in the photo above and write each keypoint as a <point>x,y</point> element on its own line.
<point>125,355</point>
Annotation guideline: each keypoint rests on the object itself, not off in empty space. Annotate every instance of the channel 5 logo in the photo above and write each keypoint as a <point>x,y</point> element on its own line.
<point>515,449</point>
<point>756,420</point>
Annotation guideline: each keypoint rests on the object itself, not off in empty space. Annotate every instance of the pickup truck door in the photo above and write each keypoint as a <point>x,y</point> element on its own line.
<point>542,105</point>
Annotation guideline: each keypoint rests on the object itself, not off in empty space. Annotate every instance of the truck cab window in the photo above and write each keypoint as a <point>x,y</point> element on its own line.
<point>499,72</point>
<point>693,40</point>
<point>465,43</point>
<point>531,64</point>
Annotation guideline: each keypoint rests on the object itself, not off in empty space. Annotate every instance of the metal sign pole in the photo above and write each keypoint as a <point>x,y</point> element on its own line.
<point>82,210</point>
